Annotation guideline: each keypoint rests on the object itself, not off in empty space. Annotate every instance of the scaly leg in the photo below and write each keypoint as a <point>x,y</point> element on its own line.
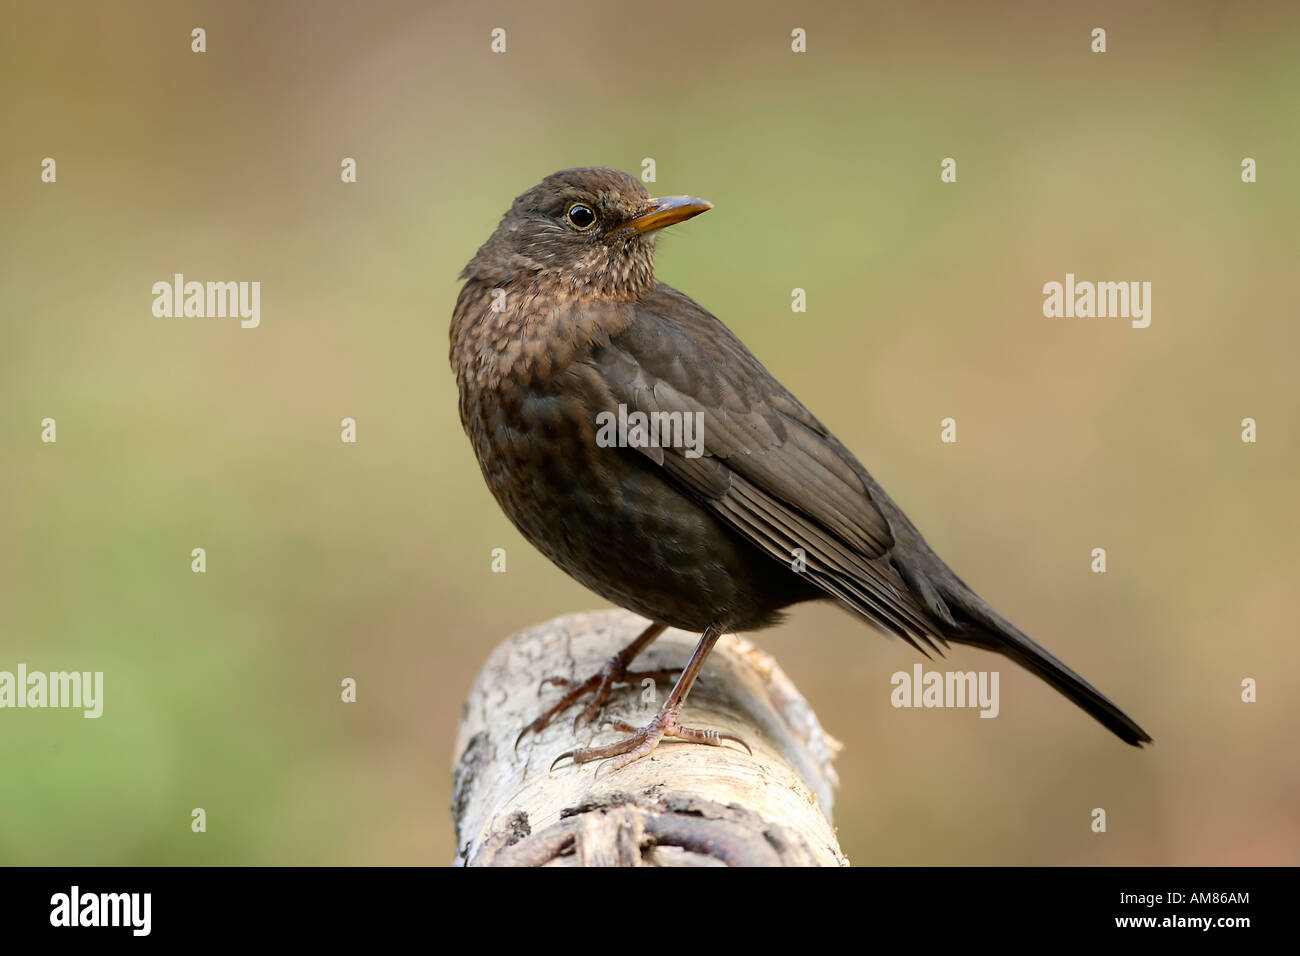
<point>600,684</point>
<point>664,724</point>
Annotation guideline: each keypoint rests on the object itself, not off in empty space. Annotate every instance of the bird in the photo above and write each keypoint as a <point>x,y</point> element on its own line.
<point>560,336</point>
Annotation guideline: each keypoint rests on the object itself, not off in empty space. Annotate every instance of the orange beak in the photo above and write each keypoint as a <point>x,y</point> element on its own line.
<point>668,211</point>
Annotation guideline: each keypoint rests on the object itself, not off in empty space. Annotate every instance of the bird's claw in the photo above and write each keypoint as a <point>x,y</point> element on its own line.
<point>552,680</point>
<point>642,741</point>
<point>567,753</point>
<point>599,685</point>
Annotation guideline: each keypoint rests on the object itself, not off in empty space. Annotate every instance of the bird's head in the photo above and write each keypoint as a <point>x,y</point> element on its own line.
<point>586,231</point>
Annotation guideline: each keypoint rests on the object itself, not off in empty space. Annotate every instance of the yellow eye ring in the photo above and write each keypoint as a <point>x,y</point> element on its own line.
<point>581,216</point>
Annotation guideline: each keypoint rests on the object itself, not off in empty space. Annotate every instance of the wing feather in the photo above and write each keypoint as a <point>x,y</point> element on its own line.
<point>766,465</point>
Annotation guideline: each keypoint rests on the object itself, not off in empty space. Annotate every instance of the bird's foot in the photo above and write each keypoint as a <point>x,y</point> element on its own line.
<point>599,686</point>
<point>645,739</point>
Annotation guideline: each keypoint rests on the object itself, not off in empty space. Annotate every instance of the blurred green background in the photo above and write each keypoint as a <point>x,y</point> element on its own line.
<point>328,560</point>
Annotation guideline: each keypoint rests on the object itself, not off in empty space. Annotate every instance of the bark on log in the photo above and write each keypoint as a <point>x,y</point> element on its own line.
<point>684,805</point>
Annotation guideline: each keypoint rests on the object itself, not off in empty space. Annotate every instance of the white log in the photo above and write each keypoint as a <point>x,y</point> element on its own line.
<point>683,805</point>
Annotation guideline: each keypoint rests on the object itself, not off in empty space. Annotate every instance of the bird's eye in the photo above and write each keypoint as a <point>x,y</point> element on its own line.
<point>582,216</point>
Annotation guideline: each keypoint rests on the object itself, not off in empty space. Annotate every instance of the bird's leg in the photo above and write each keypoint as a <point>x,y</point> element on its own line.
<point>601,683</point>
<point>664,724</point>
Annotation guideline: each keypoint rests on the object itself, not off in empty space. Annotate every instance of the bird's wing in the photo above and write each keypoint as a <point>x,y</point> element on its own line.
<point>766,465</point>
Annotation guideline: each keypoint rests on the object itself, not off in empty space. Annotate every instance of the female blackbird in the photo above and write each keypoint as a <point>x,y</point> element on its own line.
<point>560,336</point>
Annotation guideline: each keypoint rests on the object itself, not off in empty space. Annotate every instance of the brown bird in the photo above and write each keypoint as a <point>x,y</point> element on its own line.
<point>560,335</point>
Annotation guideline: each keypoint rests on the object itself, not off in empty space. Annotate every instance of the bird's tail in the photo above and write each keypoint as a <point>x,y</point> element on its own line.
<point>980,626</point>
